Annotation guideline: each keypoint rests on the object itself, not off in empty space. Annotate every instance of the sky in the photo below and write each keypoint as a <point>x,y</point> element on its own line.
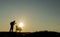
<point>37,15</point>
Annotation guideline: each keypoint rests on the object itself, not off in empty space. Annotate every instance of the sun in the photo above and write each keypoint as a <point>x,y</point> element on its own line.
<point>21,25</point>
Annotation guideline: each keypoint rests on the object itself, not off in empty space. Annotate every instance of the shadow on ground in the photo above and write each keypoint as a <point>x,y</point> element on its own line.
<point>30,34</point>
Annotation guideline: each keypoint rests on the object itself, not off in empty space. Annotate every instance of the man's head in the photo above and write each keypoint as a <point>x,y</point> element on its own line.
<point>14,21</point>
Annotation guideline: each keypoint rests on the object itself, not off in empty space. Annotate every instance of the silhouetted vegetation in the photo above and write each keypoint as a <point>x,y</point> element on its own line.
<point>29,34</point>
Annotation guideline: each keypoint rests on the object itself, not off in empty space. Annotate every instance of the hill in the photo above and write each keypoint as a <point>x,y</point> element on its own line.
<point>29,34</point>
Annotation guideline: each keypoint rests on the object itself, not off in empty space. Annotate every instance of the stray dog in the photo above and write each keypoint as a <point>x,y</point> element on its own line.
<point>18,29</point>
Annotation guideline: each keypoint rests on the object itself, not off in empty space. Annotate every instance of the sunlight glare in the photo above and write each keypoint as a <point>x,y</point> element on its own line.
<point>21,25</point>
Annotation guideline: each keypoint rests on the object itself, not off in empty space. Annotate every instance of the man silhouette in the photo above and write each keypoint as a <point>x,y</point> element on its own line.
<point>12,26</point>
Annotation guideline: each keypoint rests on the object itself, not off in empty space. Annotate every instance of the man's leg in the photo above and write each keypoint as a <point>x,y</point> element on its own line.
<point>11,28</point>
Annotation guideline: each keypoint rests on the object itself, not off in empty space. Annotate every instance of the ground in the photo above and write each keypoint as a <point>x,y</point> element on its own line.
<point>30,34</point>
